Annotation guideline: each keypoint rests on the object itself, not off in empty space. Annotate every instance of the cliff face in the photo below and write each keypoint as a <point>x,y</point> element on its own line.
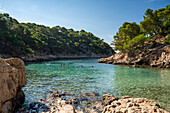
<point>153,53</point>
<point>12,79</point>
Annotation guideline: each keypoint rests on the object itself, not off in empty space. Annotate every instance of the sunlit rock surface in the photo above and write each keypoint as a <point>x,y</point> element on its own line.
<point>62,102</point>
<point>130,105</point>
<point>12,79</point>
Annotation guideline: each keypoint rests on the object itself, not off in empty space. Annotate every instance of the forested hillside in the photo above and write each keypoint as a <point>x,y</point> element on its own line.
<point>21,39</point>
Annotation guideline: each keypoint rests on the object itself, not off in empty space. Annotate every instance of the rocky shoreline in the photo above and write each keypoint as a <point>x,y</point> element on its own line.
<point>12,98</point>
<point>45,57</point>
<point>153,54</point>
<point>62,102</point>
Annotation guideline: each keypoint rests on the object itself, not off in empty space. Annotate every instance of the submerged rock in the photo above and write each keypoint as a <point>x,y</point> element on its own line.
<point>93,93</point>
<point>64,103</point>
<point>12,79</point>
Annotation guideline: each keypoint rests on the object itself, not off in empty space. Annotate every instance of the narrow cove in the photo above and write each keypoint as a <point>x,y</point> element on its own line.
<point>102,78</point>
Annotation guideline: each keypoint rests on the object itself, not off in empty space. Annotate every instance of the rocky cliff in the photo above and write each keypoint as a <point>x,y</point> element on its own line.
<point>12,79</point>
<point>155,53</point>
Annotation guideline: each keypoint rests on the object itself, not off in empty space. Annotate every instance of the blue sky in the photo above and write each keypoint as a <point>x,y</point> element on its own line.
<point>101,17</point>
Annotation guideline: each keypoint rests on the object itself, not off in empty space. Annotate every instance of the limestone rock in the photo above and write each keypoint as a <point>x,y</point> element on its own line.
<point>132,105</point>
<point>12,79</point>
<point>107,99</point>
<point>67,104</point>
<point>67,109</point>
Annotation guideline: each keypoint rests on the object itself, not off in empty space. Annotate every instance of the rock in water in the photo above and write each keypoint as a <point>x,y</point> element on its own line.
<point>12,79</point>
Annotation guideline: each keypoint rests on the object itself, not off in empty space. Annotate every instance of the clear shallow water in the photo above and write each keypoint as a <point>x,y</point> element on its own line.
<point>103,78</point>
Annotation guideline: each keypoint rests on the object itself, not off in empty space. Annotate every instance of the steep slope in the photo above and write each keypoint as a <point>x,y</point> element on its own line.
<point>154,53</point>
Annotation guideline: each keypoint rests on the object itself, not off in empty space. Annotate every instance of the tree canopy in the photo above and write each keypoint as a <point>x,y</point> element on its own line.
<point>131,35</point>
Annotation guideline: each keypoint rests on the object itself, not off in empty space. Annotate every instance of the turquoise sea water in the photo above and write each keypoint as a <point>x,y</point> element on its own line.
<point>150,83</point>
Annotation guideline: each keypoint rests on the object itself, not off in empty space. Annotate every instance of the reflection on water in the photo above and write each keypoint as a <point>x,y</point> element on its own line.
<point>103,78</point>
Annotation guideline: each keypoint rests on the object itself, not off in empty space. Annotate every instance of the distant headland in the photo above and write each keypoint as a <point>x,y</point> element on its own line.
<point>144,44</point>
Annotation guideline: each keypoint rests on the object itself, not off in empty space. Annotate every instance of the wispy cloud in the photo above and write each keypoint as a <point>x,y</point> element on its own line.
<point>154,0</point>
<point>3,10</point>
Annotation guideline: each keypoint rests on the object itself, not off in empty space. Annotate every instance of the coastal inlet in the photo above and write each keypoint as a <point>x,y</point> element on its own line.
<point>149,83</point>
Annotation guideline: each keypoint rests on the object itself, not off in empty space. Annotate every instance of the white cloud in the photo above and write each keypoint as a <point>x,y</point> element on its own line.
<point>154,0</point>
<point>2,10</point>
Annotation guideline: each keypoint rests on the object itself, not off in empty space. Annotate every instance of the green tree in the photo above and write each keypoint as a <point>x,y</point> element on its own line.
<point>156,22</point>
<point>126,33</point>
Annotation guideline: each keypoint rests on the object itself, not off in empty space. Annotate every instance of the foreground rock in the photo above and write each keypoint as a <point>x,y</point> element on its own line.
<point>62,102</point>
<point>131,105</point>
<point>12,79</point>
<point>153,53</point>
<point>89,102</point>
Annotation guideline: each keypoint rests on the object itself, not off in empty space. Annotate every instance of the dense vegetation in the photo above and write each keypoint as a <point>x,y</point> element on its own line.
<point>29,38</point>
<point>155,23</point>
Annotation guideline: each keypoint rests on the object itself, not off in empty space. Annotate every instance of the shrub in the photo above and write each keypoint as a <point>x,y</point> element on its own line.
<point>29,50</point>
<point>168,39</point>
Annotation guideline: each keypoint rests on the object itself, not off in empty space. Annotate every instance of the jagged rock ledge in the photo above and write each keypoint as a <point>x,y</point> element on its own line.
<point>12,79</point>
<point>46,57</point>
<point>153,54</point>
<point>61,102</point>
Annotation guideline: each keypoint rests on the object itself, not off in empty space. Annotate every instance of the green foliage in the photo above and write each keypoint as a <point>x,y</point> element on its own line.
<point>138,40</point>
<point>168,39</point>
<point>155,23</point>
<point>29,50</point>
<point>127,32</point>
<point>18,43</point>
<point>33,38</point>
<point>76,43</point>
